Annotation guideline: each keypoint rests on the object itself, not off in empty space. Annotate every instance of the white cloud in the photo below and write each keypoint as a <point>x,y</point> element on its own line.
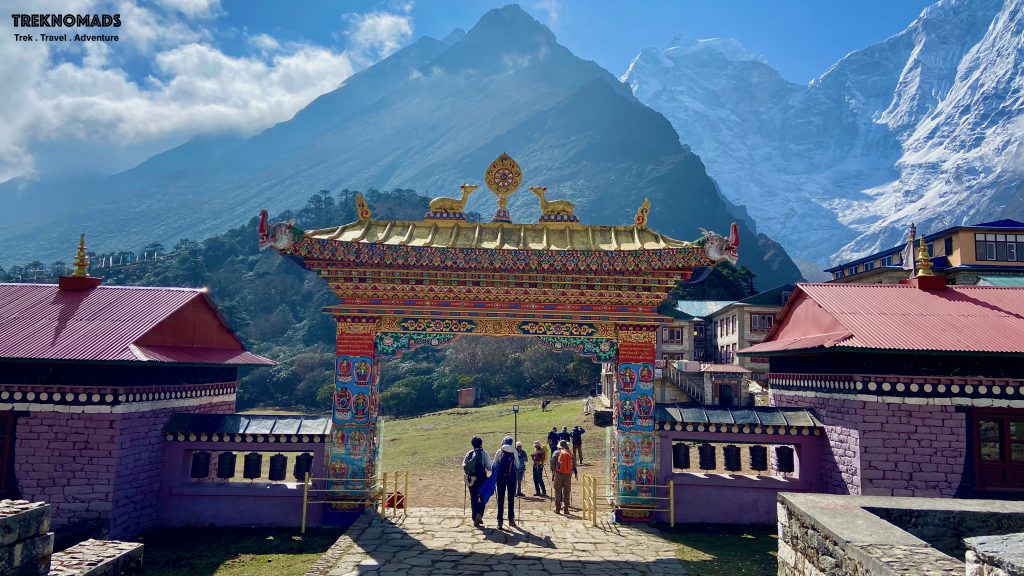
<point>377,35</point>
<point>551,10</point>
<point>193,8</point>
<point>51,102</point>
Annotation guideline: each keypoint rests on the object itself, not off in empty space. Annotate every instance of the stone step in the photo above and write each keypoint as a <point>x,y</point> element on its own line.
<point>99,558</point>
<point>20,519</point>
<point>26,542</point>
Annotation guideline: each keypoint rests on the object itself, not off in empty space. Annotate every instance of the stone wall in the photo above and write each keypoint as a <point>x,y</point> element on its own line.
<point>139,457</point>
<point>100,466</point>
<point>883,448</point>
<point>857,535</point>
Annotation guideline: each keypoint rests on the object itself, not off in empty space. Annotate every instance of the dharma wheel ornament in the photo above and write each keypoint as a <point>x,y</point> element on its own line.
<point>503,177</point>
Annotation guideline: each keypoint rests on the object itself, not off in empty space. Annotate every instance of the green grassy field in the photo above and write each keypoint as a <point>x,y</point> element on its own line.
<point>440,440</point>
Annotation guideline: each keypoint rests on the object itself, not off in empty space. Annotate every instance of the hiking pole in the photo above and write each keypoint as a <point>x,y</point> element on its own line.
<point>465,490</point>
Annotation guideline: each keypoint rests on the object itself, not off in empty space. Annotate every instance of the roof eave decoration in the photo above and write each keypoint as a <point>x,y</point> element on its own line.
<point>559,234</point>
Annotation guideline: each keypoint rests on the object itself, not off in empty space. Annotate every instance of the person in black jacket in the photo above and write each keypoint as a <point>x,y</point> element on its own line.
<point>553,439</point>
<point>564,435</point>
<point>475,465</point>
<point>577,443</point>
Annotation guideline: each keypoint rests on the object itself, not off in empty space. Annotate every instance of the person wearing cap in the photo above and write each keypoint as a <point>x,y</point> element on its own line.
<point>505,466</point>
<point>475,465</point>
<point>521,471</point>
<point>539,457</point>
<point>562,469</point>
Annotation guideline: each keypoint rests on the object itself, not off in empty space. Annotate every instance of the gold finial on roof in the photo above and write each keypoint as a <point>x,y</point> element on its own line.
<point>640,220</point>
<point>362,208</point>
<point>924,260</point>
<point>503,177</point>
<point>81,259</point>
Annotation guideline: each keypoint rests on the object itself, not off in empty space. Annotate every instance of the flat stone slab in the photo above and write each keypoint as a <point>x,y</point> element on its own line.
<point>443,541</point>
<point>20,520</point>
<point>99,558</point>
<point>1004,552</point>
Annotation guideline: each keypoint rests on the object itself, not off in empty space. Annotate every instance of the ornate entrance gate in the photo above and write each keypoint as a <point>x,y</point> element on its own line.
<point>591,289</point>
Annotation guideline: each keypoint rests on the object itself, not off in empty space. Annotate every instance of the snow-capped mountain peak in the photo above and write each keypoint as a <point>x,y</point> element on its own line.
<point>920,127</point>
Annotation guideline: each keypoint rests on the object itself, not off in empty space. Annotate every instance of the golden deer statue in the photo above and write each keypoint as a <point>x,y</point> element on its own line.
<point>553,207</point>
<point>452,205</point>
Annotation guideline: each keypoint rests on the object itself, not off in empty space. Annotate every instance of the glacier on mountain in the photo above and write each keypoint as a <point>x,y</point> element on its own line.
<point>924,127</point>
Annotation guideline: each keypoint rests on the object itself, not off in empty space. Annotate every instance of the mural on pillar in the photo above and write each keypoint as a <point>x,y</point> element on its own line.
<point>354,420</point>
<point>636,457</point>
<point>636,397</point>
<point>636,465</point>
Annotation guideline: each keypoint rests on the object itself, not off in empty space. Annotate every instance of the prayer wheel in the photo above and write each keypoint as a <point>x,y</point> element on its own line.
<point>303,464</point>
<point>706,456</point>
<point>226,465</point>
<point>758,458</point>
<point>681,456</point>
<point>784,459</point>
<point>200,464</point>
<point>252,465</point>
<point>731,453</point>
<point>278,467</point>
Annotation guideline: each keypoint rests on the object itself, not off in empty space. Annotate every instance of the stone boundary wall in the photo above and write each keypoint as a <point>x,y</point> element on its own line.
<point>102,467</point>
<point>823,534</point>
<point>887,448</point>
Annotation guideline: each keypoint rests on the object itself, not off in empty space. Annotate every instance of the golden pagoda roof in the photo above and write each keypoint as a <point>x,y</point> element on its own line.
<point>499,235</point>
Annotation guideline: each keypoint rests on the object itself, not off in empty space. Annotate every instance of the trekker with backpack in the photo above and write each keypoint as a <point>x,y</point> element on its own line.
<point>521,470</point>
<point>553,439</point>
<point>577,442</point>
<point>562,467</point>
<point>506,470</point>
<point>475,465</point>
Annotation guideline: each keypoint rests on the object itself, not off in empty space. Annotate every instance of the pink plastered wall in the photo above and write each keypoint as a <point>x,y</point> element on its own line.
<point>96,466</point>
<point>883,448</point>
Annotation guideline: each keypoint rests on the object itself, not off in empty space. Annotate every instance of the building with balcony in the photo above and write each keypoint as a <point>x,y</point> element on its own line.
<point>962,254</point>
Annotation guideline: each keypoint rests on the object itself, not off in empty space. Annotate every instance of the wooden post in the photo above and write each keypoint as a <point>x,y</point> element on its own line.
<point>672,503</point>
<point>305,499</point>
<point>384,496</point>
<point>405,496</point>
<point>593,501</point>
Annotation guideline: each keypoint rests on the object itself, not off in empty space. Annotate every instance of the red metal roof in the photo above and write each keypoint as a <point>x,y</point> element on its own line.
<point>39,321</point>
<point>903,317</point>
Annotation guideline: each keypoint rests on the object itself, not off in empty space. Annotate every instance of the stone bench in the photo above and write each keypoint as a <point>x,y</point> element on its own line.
<point>26,547</point>
<point>98,558</point>
<point>26,542</point>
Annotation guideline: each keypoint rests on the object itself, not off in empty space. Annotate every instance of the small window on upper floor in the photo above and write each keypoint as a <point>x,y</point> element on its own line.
<point>947,245</point>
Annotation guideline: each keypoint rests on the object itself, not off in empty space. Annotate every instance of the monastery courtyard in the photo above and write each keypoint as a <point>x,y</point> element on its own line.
<point>442,541</point>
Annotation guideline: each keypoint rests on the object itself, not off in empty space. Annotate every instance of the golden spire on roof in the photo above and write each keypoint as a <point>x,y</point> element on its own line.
<point>81,259</point>
<point>640,220</point>
<point>362,208</point>
<point>924,260</point>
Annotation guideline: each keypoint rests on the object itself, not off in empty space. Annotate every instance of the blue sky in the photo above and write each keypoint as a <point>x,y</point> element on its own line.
<point>800,38</point>
<point>187,67</point>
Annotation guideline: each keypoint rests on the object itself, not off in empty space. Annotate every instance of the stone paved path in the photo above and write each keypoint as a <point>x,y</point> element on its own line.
<point>439,541</point>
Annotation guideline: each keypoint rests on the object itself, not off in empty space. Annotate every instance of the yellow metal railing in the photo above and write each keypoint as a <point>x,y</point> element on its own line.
<point>389,490</point>
<point>591,500</point>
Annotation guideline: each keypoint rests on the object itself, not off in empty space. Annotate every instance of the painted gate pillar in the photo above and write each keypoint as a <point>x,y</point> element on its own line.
<point>635,438</point>
<point>353,454</point>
